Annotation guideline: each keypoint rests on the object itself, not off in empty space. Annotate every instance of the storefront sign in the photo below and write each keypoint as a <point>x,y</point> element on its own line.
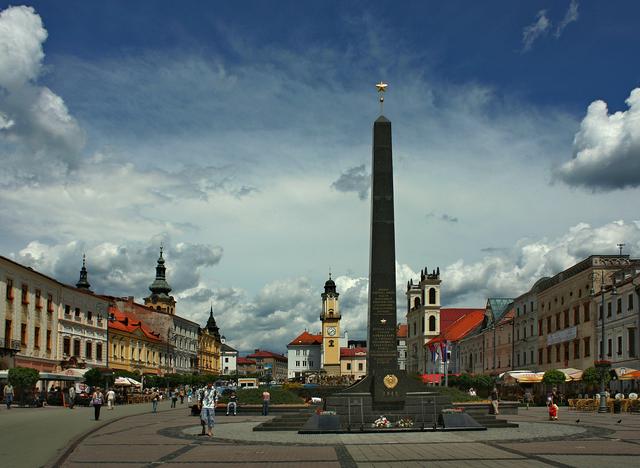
<point>562,335</point>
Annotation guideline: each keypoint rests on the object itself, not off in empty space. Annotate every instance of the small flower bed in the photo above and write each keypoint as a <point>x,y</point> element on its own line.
<point>381,423</point>
<point>452,410</point>
<point>404,422</point>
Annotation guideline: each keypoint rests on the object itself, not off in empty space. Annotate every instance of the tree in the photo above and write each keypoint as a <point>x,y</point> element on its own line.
<point>553,377</point>
<point>24,379</point>
<point>591,377</point>
<point>93,377</point>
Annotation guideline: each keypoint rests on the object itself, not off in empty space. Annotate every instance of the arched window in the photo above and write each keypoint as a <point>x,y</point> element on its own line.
<point>330,343</point>
<point>416,302</point>
<point>432,323</point>
<point>432,295</point>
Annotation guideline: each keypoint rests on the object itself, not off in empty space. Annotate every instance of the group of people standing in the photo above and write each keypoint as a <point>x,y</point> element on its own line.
<point>98,399</point>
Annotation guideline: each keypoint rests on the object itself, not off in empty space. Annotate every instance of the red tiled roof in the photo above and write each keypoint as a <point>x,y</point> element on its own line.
<point>241,361</point>
<point>448,316</point>
<point>459,328</point>
<point>306,338</point>
<point>352,352</point>
<point>129,323</point>
<point>403,330</point>
<point>267,354</point>
<point>508,317</point>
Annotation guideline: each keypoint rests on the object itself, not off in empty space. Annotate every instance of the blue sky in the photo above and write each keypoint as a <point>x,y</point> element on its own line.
<point>239,134</point>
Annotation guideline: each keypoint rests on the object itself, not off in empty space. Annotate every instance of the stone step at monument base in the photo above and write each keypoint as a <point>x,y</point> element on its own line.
<point>286,422</point>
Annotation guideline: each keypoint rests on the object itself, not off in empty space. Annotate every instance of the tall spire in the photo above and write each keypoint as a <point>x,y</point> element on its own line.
<point>211,324</point>
<point>160,285</point>
<point>83,282</point>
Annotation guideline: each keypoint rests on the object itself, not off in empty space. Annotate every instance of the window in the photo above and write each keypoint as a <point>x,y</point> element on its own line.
<point>576,315</point>
<point>9,291</point>
<point>566,352</point>
<point>36,337</point>
<point>539,328</point>
<point>67,309</point>
<point>99,352</point>
<point>416,302</point>
<point>432,323</point>
<point>49,303</point>
<point>619,306</point>
<point>630,302</point>
<point>586,312</point>
<point>566,318</point>
<point>297,363</point>
<point>48,340</point>
<point>360,366</point>
<point>632,341</point>
<point>348,366</point>
<point>226,359</point>
<point>609,345</point>
<point>38,299</point>
<point>531,330</point>
<point>549,324</point>
<point>558,321</point>
<point>518,359</point>
<point>331,344</point>
<point>66,346</point>
<point>23,334</point>
<point>304,363</point>
<point>414,328</point>
<point>77,314</point>
<point>557,353</point>
<point>619,349</point>
<point>432,295</point>
<point>76,348</point>
<point>608,309</point>
<point>25,294</point>
<point>310,363</point>
<point>525,309</point>
<point>548,354</point>
<point>524,358</point>
<point>600,312</point>
<point>576,349</point>
<point>88,350</point>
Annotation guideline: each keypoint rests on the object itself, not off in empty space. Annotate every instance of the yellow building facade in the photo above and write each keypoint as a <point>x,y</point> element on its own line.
<point>209,347</point>
<point>133,346</point>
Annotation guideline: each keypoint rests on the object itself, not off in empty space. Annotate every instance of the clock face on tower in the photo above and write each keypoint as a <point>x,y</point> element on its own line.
<point>331,331</point>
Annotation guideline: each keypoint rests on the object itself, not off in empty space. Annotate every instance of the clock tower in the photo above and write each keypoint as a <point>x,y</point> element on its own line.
<point>330,318</point>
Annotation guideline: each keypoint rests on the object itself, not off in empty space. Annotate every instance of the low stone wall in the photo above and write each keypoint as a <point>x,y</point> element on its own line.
<point>505,407</point>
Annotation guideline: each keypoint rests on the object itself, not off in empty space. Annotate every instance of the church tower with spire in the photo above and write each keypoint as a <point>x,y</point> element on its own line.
<point>330,318</point>
<point>83,282</point>
<point>159,299</point>
<point>209,347</point>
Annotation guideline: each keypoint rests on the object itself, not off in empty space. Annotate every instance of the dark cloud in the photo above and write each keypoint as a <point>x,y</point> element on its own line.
<point>355,180</point>
<point>447,218</point>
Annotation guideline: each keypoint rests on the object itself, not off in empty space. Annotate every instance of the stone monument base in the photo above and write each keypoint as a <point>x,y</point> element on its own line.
<point>358,406</point>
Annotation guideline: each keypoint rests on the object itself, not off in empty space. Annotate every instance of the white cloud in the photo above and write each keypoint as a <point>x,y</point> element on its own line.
<point>535,30</point>
<point>21,37</point>
<point>570,16</point>
<point>606,149</point>
<point>37,128</point>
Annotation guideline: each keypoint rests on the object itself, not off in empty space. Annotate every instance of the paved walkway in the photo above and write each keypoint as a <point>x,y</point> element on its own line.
<point>171,439</point>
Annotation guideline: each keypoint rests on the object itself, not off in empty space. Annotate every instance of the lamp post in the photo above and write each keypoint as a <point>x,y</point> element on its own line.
<point>603,365</point>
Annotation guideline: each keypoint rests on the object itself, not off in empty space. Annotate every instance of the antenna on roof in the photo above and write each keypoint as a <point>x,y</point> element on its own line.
<point>620,246</point>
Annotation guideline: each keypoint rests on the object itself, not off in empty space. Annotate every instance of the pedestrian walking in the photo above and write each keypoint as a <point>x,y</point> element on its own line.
<point>181,396</point>
<point>495,397</point>
<point>528,398</point>
<point>111,399</point>
<point>208,400</point>
<point>155,397</point>
<point>266,398</point>
<point>72,396</point>
<point>8,395</point>
<point>189,396</point>
<point>174,398</point>
<point>97,401</point>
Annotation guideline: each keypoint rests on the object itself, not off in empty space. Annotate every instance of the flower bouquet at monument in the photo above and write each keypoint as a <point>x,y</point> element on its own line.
<point>381,423</point>
<point>404,422</point>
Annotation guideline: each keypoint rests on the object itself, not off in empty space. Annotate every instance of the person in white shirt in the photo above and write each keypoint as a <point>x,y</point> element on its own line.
<point>111,399</point>
<point>208,398</point>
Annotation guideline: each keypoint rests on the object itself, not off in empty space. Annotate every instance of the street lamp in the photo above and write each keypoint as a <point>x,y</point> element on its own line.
<point>603,365</point>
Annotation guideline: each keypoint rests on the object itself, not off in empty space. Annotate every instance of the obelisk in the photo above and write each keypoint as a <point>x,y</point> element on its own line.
<point>382,354</point>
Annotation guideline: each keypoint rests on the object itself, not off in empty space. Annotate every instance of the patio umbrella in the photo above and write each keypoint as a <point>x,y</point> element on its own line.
<point>631,374</point>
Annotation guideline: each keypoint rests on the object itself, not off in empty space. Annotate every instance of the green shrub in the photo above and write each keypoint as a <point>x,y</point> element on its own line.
<point>23,379</point>
<point>553,377</point>
<point>253,396</point>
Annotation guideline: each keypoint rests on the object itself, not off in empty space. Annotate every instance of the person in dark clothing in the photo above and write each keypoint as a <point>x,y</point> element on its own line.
<point>97,401</point>
<point>233,403</point>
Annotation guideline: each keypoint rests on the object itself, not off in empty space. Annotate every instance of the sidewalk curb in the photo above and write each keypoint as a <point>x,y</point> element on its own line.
<point>58,459</point>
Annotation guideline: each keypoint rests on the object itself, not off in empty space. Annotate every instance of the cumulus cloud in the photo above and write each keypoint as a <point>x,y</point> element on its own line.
<point>355,179</point>
<point>570,16</point>
<point>606,149</point>
<point>125,269</point>
<point>509,273</point>
<point>531,33</point>
<point>36,128</point>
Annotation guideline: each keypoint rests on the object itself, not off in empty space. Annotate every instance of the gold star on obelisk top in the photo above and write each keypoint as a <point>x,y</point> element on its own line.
<point>382,88</point>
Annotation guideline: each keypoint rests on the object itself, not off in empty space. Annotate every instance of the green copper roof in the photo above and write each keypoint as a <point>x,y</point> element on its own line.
<point>498,306</point>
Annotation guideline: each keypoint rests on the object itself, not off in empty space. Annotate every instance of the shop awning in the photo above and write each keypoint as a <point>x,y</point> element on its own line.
<point>627,373</point>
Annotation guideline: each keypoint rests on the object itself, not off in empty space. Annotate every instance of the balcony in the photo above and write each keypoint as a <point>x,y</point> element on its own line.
<point>13,345</point>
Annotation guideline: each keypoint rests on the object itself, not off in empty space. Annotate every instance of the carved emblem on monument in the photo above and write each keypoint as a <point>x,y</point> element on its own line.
<point>390,381</point>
